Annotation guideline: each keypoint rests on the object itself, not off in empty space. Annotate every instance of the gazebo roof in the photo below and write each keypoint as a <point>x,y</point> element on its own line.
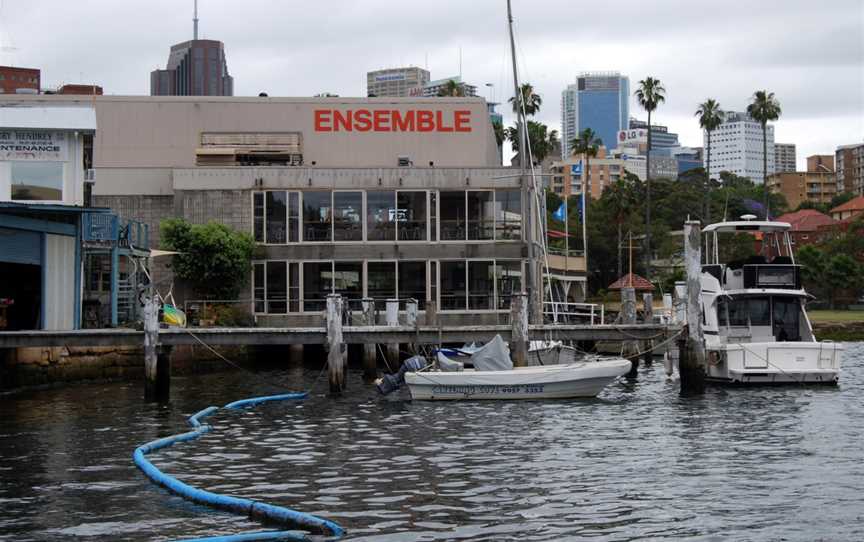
<point>632,280</point>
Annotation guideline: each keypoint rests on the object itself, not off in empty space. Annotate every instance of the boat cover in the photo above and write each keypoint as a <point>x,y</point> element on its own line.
<point>447,364</point>
<point>494,356</point>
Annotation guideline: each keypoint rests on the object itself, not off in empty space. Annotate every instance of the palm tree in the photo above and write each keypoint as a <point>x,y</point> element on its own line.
<point>451,88</point>
<point>650,94</point>
<point>710,118</point>
<point>763,108</point>
<point>586,143</point>
<point>532,101</point>
<point>541,140</point>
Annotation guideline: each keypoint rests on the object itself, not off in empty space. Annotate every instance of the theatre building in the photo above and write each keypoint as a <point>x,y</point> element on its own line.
<point>366,197</point>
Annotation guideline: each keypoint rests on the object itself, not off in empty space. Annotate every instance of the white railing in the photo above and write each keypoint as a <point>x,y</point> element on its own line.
<point>572,313</point>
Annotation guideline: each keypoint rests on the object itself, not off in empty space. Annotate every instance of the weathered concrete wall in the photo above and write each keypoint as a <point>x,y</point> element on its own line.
<point>23,367</point>
<point>230,207</point>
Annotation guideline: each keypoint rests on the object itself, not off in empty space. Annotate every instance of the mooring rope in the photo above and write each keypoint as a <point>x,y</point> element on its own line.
<point>254,509</point>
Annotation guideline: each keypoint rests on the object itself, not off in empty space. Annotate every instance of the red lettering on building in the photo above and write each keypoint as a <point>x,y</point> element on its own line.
<point>322,116</point>
<point>392,120</point>
<point>462,121</point>
<point>425,121</point>
<point>403,124</point>
<point>341,121</point>
<point>363,120</point>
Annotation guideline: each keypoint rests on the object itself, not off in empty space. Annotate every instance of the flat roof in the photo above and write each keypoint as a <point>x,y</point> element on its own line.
<point>748,225</point>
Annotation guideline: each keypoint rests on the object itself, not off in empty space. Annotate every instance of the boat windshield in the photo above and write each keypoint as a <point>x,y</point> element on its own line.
<point>762,318</point>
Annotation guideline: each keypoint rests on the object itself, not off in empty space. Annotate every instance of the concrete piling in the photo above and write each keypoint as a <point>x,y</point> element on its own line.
<point>336,346</point>
<point>519,329</point>
<point>370,358</point>
<point>628,316</point>
<point>155,388</point>
<point>648,317</point>
<point>411,321</point>
<point>392,320</point>
<point>691,361</point>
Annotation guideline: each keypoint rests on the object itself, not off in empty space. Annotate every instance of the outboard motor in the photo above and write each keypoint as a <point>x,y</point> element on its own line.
<point>390,383</point>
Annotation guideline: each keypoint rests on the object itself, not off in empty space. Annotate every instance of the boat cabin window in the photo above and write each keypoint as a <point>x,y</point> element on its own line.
<point>782,315</point>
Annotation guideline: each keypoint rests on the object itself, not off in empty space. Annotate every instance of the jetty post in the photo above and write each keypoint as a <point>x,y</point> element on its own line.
<point>157,359</point>
<point>432,317</point>
<point>519,328</point>
<point>392,320</point>
<point>628,316</point>
<point>648,317</point>
<point>691,360</point>
<point>370,358</point>
<point>336,346</point>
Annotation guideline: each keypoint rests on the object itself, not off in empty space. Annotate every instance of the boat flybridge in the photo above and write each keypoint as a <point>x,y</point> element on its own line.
<point>754,324</point>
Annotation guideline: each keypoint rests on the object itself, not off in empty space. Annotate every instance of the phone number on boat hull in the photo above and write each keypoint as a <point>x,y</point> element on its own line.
<point>486,389</point>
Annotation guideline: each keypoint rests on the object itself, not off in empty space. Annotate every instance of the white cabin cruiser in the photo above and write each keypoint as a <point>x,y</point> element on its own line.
<point>754,324</point>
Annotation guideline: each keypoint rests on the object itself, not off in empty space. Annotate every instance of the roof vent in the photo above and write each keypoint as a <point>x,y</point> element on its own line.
<point>748,218</point>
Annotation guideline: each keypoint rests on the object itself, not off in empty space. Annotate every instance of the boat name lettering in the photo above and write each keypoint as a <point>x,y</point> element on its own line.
<point>469,390</point>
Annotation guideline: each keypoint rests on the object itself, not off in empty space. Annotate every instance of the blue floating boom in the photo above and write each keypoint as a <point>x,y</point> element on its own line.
<point>254,509</point>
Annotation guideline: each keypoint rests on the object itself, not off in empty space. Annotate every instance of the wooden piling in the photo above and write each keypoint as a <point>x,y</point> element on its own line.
<point>370,358</point>
<point>628,316</point>
<point>648,317</point>
<point>392,320</point>
<point>691,361</point>
<point>336,347</point>
<point>432,317</point>
<point>157,358</point>
<point>519,329</point>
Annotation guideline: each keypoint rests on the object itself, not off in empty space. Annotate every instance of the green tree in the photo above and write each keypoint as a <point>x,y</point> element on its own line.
<point>214,259</point>
<point>587,144</point>
<point>710,118</point>
<point>623,199</point>
<point>840,199</point>
<point>540,138</point>
<point>451,89</point>
<point>531,100</point>
<point>650,94</point>
<point>764,107</point>
<point>842,273</point>
<point>498,128</point>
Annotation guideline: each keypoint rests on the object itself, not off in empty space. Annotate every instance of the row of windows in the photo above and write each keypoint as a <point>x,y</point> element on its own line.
<point>281,216</point>
<point>21,78</point>
<point>281,287</point>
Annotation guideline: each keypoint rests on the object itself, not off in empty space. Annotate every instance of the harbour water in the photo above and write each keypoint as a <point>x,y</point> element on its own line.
<point>638,463</point>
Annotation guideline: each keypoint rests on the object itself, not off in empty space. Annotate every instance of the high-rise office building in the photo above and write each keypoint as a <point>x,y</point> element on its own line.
<point>736,147</point>
<point>598,100</point>
<point>433,88</point>
<point>784,157</point>
<point>396,82</point>
<point>195,68</point>
<point>850,168</point>
<point>661,137</point>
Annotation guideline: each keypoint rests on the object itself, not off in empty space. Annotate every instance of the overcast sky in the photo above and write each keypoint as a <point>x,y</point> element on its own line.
<point>809,53</point>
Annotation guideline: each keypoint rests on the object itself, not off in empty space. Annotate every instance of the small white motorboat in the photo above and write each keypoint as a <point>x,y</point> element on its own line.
<point>494,377</point>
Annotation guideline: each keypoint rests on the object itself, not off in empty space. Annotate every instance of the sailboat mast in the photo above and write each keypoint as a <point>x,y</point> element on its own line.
<point>527,187</point>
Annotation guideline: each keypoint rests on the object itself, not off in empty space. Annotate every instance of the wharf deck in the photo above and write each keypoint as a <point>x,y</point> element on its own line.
<point>318,335</point>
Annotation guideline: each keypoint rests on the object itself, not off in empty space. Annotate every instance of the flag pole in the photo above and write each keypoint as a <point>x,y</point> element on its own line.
<point>566,233</point>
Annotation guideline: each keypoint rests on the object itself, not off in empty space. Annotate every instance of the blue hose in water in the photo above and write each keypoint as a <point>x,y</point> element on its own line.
<point>253,509</point>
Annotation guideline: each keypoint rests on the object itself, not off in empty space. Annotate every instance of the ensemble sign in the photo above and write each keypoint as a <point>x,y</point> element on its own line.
<point>392,120</point>
<point>35,145</point>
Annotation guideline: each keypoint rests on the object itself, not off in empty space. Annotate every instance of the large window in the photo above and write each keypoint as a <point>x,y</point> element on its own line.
<point>412,282</point>
<point>508,281</point>
<point>452,216</point>
<point>277,287</point>
<point>481,285</point>
<point>481,216</point>
<point>381,216</point>
<point>277,217</point>
<point>37,181</point>
<point>259,287</point>
<point>317,284</point>
<point>258,217</point>
<point>348,279</point>
<point>744,312</point>
<point>453,291</point>
<point>411,216</point>
<point>348,216</point>
<point>382,280</point>
<point>317,216</point>
<point>508,222</point>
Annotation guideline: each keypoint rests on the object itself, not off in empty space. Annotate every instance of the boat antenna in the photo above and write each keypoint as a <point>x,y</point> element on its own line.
<point>522,147</point>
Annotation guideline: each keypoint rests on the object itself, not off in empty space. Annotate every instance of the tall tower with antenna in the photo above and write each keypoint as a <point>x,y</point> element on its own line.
<point>195,68</point>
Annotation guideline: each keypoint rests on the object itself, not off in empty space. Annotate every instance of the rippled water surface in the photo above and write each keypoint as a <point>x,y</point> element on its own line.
<point>637,463</point>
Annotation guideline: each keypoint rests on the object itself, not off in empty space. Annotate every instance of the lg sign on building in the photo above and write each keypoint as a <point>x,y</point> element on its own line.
<point>392,120</point>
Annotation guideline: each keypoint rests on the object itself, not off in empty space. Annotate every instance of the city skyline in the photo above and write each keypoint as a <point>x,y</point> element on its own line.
<point>325,48</point>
